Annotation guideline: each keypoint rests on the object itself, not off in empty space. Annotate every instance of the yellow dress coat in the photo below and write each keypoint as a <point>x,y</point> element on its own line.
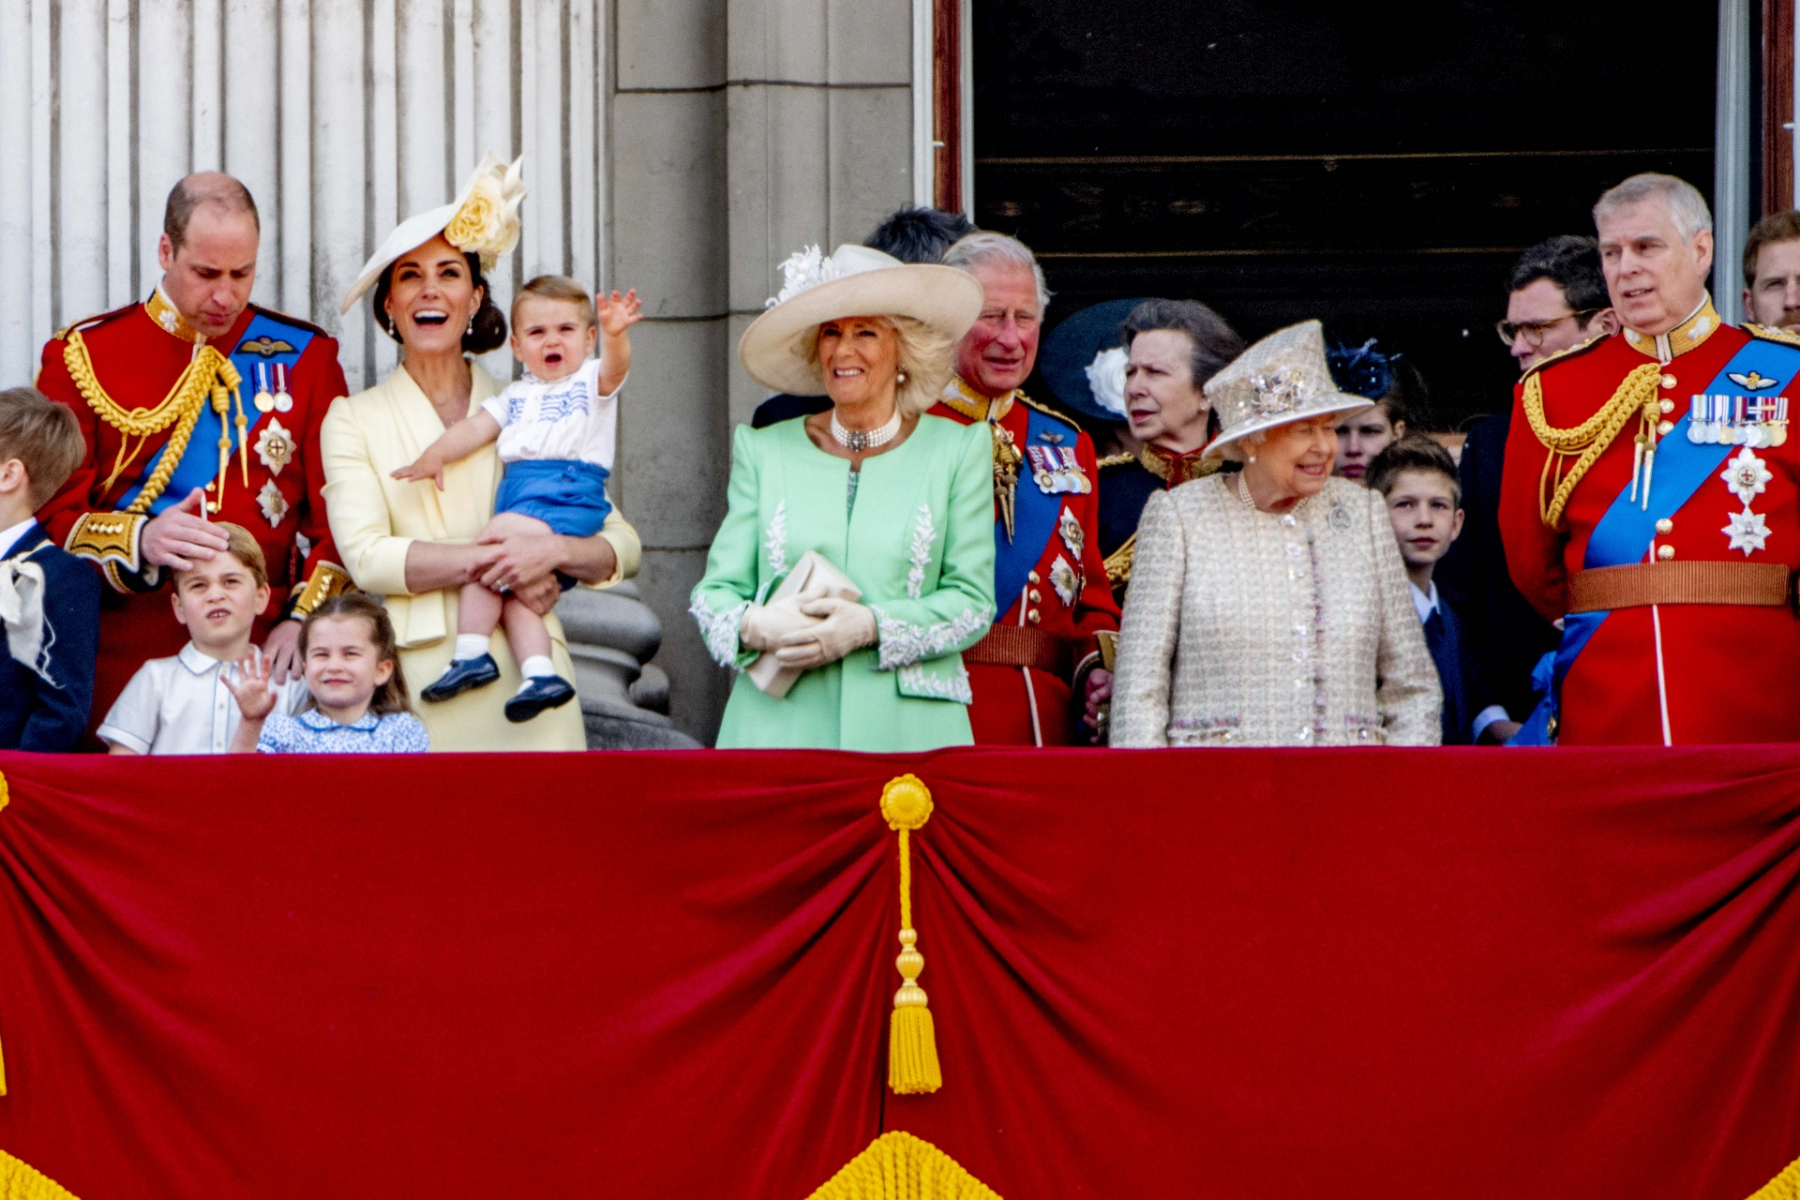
<point>375,518</point>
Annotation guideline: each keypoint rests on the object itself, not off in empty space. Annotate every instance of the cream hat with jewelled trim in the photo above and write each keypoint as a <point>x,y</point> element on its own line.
<point>1282,379</point>
<point>483,220</point>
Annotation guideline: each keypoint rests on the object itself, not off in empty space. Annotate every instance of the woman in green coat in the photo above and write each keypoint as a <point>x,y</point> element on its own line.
<point>898,505</point>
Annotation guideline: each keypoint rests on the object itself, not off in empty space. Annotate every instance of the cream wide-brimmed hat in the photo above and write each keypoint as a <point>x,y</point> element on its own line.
<point>854,281</point>
<point>1282,379</point>
<point>482,220</point>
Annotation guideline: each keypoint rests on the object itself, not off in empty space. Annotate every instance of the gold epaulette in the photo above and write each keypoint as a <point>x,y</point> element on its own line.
<point>1118,563</point>
<point>328,579</point>
<point>1116,460</point>
<point>1769,333</point>
<point>1028,402</point>
<point>1578,348</point>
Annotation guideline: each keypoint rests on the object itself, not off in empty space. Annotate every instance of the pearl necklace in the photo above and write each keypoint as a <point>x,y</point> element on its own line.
<point>859,440</point>
<point>1242,492</point>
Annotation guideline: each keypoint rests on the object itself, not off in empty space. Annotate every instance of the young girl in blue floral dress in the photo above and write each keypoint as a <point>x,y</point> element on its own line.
<point>357,700</point>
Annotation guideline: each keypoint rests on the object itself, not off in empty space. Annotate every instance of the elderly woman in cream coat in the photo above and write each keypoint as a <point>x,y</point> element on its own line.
<point>1269,607</point>
<point>414,544</point>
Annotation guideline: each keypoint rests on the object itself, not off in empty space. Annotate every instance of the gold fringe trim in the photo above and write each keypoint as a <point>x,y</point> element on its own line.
<point>1586,442</point>
<point>1785,1186</point>
<point>21,1181</point>
<point>899,1166</point>
<point>912,1039</point>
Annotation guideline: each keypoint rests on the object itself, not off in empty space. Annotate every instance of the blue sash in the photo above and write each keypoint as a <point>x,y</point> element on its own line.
<point>1035,513</point>
<point>199,463</point>
<point>1623,535</point>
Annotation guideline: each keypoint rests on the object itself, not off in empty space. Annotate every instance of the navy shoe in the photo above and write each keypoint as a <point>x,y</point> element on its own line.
<point>540,692</point>
<point>461,675</point>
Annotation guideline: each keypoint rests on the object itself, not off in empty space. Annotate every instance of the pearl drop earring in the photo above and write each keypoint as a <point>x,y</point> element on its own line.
<point>900,377</point>
<point>470,331</point>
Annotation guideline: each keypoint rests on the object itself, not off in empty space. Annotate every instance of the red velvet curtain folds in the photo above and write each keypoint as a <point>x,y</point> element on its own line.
<point>1221,973</point>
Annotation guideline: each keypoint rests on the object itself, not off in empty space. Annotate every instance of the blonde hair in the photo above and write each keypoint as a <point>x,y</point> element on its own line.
<point>926,358</point>
<point>557,287</point>
<point>242,545</point>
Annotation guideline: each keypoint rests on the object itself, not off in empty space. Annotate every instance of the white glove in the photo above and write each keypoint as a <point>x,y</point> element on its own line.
<point>764,625</point>
<point>847,626</point>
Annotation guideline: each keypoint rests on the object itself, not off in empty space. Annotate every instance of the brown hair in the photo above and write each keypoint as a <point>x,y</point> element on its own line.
<point>1414,452</point>
<point>42,434</point>
<point>561,288</point>
<point>390,697</point>
<point>241,544</point>
<point>1781,226</point>
<point>207,189</point>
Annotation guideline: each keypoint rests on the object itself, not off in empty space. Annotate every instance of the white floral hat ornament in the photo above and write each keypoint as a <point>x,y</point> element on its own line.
<point>483,220</point>
<point>854,281</point>
<point>1282,379</point>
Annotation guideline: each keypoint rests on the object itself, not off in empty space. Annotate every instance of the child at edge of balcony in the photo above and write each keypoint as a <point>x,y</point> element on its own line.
<point>356,694</point>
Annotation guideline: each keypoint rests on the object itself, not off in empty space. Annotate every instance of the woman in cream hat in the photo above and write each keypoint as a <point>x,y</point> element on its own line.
<point>857,558</point>
<point>1269,607</point>
<point>412,543</point>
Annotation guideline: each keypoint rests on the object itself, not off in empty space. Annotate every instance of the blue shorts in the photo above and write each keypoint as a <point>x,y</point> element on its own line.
<point>567,495</point>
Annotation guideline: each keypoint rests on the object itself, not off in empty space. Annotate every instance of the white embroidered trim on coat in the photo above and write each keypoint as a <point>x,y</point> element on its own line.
<point>923,535</point>
<point>719,629</point>
<point>903,643</point>
<point>775,541</point>
<point>915,681</point>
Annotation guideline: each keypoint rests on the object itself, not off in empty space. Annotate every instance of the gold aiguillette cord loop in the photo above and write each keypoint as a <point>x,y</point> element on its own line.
<point>1586,442</point>
<point>912,1041</point>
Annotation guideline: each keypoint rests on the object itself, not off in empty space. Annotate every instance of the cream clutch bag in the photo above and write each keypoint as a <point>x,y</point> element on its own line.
<point>811,574</point>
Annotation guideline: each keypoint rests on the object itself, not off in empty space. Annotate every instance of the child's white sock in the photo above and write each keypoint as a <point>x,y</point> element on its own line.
<point>537,667</point>
<point>470,645</point>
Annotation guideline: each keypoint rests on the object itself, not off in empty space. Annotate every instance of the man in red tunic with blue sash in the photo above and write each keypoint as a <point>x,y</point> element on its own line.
<point>1651,499</point>
<point>197,407</point>
<point>1037,669</point>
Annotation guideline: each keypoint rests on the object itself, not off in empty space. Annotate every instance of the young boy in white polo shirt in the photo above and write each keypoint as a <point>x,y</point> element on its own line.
<point>181,705</point>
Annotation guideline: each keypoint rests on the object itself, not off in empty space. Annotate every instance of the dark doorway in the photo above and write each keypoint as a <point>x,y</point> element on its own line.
<point>1379,167</point>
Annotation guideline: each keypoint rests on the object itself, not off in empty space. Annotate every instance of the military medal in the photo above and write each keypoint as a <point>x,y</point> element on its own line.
<point>264,401</point>
<point>1066,582</point>
<point>284,402</point>
<point>274,446</point>
<point>274,505</point>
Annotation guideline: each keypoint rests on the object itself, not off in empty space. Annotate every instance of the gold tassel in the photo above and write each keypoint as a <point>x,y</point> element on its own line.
<point>898,1164</point>
<point>912,1041</point>
<point>1785,1186</point>
<point>21,1181</point>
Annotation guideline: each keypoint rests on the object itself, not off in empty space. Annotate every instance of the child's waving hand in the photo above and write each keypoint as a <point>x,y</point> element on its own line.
<point>618,313</point>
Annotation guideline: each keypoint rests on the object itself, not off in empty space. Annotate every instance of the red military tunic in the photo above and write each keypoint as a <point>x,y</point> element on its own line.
<point>1727,670</point>
<point>136,356</point>
<point>1063,598</point>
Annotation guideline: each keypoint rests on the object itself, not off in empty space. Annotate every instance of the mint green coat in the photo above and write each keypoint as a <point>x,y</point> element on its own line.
<point>919,543</point>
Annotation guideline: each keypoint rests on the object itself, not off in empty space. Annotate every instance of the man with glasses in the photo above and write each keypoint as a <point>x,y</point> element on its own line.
<point>1651,498</point>
<point>1556,300</point>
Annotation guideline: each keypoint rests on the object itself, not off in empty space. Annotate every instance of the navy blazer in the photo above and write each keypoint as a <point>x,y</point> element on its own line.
<point>1508,634</point>
<point>34,715</point>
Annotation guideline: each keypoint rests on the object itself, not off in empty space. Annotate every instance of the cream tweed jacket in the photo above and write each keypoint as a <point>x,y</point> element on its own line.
<point>1245,628</point>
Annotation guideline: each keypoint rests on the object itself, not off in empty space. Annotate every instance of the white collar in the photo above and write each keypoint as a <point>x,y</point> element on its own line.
<point>10,537</point>
<point>197,660</point>
<point>1424,603</point>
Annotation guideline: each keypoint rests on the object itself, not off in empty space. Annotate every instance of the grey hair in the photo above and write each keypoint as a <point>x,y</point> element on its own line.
<point>926,358</point>
<point>1687,207</point>
<point>985,247</point>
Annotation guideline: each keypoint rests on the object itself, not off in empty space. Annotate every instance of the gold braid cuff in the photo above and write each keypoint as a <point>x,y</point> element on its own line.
<point>208,377</point>
<point>1586,442</point>
<point>110,540</point>
<point>1118,563</point>
<point>328,579</point>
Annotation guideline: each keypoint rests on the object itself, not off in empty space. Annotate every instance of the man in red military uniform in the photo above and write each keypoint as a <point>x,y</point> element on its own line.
<point>1651,498</point>
<point>1050,581</point>
<point>197,407</point>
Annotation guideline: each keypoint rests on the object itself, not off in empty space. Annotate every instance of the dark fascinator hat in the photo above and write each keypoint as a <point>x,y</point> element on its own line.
<point>1082,360</point>
<point>1362,370</point>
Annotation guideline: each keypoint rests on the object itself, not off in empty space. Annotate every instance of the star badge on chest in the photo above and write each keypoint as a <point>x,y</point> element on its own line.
<point>1065,580</point>
<point>274,447</point>
<point>1748,531</point>
<point>274,505</point>
<point>1073,536</point>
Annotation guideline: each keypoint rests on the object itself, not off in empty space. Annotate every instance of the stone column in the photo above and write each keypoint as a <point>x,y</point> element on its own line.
<point>741,130</point>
